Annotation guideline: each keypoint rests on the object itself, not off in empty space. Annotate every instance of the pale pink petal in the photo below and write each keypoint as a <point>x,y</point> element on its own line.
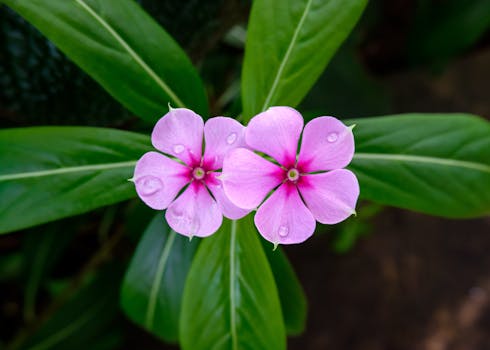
<point>221,134</point>
<point>194,212</point>
<point>327,144</point>
<point>331,196</point>
<point>179,133</point>
<point>247,178</point>
<point>229,210</point>
<point>284,218</point>
<point>276,132</point>
<point>158,179</point>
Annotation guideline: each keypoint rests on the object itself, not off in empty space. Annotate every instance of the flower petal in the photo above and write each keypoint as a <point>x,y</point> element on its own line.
<point>331,196</point>
<point>194,212</point>
<point>221,134</point>
<point>229,210</point>
<point>284,218</point>
<point>179,133</point>
<point>276,132</point>
<point>247,178</point>
<point>327,144</point>
<point>158,179</point>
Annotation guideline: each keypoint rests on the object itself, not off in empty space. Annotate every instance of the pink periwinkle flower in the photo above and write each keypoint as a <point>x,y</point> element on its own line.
<point>159,178</point>
<point>306,187</point>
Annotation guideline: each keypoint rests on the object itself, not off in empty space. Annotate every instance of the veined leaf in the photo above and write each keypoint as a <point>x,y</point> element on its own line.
<point>230,298</point>
<point>433,163</point>
<point>151,293</point>
<point>122,48</point>
<point>291,294</point>
<point>49,173</point>
<point>289,44</point>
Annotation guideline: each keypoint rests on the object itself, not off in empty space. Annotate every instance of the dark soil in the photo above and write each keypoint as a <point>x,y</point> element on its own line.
<point>417,282</point>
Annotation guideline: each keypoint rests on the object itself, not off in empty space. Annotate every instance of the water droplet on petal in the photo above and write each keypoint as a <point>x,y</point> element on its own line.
<point>231,138</point>
<point>177,213</point>
<point>283,231</point>
<point>179,148</point>
<point>332,137</point>
<point>148,185</point>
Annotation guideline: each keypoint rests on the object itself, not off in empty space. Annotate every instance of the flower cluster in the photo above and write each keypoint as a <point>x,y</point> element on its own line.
<point>238,169</point>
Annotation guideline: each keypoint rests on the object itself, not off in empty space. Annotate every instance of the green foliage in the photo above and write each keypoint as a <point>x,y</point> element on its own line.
<point>122,48</point>
<point>230,298</point>
<point>151,293</point>
<point>289,43</point>
<point>42,250</point>
<point>49,173</point>
<point>435,164</point>
<point>291,294</point>
<point>442,31</point>
<point>86,321</point>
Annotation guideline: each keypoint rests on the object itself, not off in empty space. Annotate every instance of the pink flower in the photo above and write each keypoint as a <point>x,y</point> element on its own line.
<point>310,186</point>
<point>160,178</point>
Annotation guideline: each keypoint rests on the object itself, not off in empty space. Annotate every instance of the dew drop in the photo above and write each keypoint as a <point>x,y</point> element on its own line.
<point>332,137</point>
<point>231,138</point>
<point>148,185</point>
<point>179,148</point>
<point>177,213</point>
<point>283,231</point>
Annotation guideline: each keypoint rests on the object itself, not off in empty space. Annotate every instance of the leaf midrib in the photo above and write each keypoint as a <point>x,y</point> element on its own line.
<point>132,53</point>
<point>67,170</point>
<point>286,56</point>
<point>157,282</point>
<point>424,159</point>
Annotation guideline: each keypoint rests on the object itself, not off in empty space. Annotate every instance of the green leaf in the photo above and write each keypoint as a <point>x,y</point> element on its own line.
<point>123,49</point>
<point>291,294</point>
<point>152,290</point>
<point>440,32</point>
<point>288,46</point>
<point>230,298</point>
<point>42,249</point>
<point>437,164</point>
<point>85,322</point>
<point>49,173</point>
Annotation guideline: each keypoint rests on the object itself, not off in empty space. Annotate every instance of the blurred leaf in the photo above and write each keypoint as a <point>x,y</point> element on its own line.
<point>442,31</point>
<point>346,80</point>
<point>152,290</point>
<point>11,266</point>
<point>291,294</point>
<point>42,249</point>
<point>289,45</point>
<point>86,321</point>
<point>122,48</point>
<point>355,227</point>
<point>437,164</point>
<point>230,298</point>
<point>49,173</point>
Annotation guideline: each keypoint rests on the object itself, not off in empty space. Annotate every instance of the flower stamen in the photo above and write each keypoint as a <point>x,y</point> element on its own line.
<point>293,174</point>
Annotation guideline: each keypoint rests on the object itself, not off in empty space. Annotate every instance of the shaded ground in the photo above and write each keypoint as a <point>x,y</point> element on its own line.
<point>417,282</point>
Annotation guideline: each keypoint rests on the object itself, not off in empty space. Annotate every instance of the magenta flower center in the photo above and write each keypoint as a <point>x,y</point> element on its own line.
<point>293,174</point>
<point>198,173</point>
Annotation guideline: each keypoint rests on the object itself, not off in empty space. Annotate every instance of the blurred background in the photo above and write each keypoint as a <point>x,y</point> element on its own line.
<point>388,279</point>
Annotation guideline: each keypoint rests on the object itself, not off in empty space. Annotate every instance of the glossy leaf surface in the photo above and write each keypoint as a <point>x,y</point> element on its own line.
<point>122,48</point>
<point>230,298</point>
<point>289,44</point>
<point>49,173</point>
<point>291,294</point>
<point>432,163</point>
<point>151,293</point>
